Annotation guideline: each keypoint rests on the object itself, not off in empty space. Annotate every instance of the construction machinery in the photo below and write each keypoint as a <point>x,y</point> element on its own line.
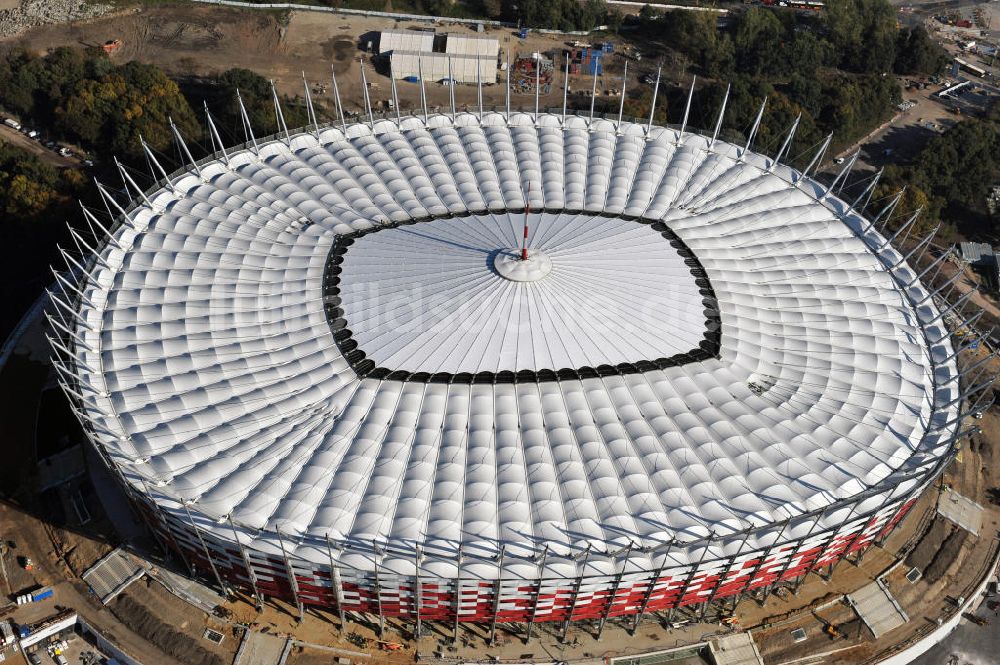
<point>111,46</point>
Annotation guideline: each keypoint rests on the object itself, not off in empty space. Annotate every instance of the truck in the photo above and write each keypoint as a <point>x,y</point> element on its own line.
<point>34,596</point>
<point>13,124</point>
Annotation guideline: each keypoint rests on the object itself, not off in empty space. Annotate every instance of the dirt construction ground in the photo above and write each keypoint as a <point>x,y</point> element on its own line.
<point>188,40</point>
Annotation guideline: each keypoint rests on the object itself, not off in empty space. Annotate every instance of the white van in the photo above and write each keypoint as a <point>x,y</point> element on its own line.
<point>13,124</point>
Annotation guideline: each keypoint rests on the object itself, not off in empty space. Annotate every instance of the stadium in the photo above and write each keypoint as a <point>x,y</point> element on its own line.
<point>506,367</point>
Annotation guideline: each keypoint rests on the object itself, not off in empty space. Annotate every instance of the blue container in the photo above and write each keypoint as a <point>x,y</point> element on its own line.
<point>42,594</point>
<point>412,79</point>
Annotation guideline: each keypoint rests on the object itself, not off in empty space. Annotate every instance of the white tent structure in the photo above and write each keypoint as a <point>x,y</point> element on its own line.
<point>463,44</point>
<point>440,66</point>
<point>320,365</point>
<point>420,41</point>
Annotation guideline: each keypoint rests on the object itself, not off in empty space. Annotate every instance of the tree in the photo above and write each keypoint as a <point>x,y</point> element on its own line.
<point>132,101</point>
<point>757,41</point>
<point>917,53</point>
<point>863,33</point>
<point>27,185</point>
<point>696,35</point>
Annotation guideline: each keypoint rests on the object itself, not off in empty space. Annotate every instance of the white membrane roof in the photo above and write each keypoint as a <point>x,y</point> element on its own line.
<point>215,375</point>
<point>424,297</point>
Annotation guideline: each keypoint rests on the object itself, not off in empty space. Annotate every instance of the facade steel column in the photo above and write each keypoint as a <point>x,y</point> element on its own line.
<point>652,586</point>
<point>337,584</point>
<point>251,575</point>
<point>292,582</point>
<point>614,591</point>
<point>538,592</point>
<point>576,593</point>
<point>690,577</point>
<point>204,547</point>
<point>378,589</point>
<point>417,585</point>
<point>498,589</point>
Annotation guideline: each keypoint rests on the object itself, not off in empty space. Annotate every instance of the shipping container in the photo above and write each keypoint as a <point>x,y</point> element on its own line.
<point>42,594</point>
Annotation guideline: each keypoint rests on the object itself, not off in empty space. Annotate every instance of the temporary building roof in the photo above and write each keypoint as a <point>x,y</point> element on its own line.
<point>406,40</point>
<point>435,66</point>
<point>459,44</point>
<point>578,402</point>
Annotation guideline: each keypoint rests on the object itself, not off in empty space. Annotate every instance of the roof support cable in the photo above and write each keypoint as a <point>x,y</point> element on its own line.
<point>920,247</point>
<point>218,147</point>
<point>507,84</point>
<point>310,110</point>
<point>867,193</point>
<point>395,96</point>
<point>846,175</point>
<point>479,90</point>
<point>687,110</point>
<point>593,99</point>
<point>753,131</point>
<point>423,89</point>
<point>279,116</point>
<point>937,263</point>
<point>817,158</point>
<point>972,342</point>
<point>565,91</point>
<point>621,102</point>
<point>905,226</point>
<point>842,176</point>
<point>722,114</point>
<point>538,87</point>
<point>891,210</point>
<point>652,105</point>
<point>247,127</point>
<point>153,161</point>
<point>784,146</point>
<point>129,181</point>
<point>886,210</point>
<point>92,220</point>
<point>183,146</point>
<point>451,92</point>
<point>336,99</point>
<point>367,97</point>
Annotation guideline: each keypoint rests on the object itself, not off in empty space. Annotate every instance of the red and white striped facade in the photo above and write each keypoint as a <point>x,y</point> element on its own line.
<point>590,597</point>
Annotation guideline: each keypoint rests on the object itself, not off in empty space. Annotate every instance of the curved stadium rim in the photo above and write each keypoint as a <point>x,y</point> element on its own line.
<point>922,475</point>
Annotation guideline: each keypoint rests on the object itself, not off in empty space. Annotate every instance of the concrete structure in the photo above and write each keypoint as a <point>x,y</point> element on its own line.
<point>310,365</point>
